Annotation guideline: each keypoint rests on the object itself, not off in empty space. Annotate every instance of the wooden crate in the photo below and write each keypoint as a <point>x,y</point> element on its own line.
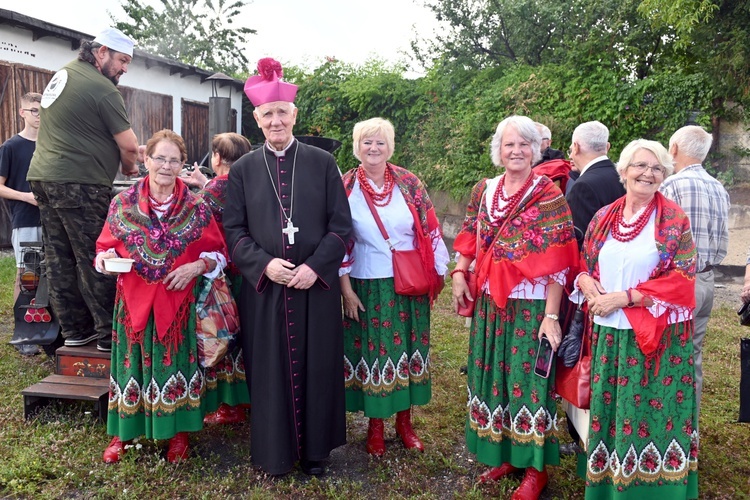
<point>84,361</point>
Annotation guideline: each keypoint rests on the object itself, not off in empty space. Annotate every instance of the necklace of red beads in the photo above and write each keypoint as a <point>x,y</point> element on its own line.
<point>160,206</point>
<point>627,231</point>
<point>378,199</point>
<point>510,201</point>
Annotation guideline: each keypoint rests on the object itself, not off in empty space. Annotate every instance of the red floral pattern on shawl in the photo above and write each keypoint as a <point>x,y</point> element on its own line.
<point>215,194</point>
<point>157,247</point>
<point>536,240</point>
<point>672,281</point>
<point>423,213</point>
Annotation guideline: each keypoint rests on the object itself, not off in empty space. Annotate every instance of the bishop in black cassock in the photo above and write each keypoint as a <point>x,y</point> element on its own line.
<point>287,220</point>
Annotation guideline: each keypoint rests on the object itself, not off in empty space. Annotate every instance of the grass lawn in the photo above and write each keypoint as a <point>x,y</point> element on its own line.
<point>58,453</point>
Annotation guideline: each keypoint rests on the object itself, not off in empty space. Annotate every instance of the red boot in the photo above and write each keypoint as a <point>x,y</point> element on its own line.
<point>496,473</point>
<point>406,433</point>
<point>178,448</point>
<point>225,415</point>
<point>532,485</point>
<point>375,442</point>
<point>114,451</point>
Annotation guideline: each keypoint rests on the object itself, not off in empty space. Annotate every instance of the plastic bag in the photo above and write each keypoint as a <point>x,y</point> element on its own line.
<point>217,321</point>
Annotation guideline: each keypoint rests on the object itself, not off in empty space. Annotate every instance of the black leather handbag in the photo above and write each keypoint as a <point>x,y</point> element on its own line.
<point>744,314</point>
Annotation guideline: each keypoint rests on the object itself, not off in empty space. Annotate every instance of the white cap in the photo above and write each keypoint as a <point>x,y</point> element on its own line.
<point>114,39</point>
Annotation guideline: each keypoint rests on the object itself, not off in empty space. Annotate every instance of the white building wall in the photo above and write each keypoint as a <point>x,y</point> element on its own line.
<point>52,53</point>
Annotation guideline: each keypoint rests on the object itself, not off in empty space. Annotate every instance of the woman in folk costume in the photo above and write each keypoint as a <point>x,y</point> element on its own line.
<point>226,149</point>
<point>387,335</point>
<point>519,229</point>
<point>157,387</point>
<point>639,259</point>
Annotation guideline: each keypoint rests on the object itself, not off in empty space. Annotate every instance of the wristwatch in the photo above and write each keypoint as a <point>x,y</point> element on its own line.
<point>553,317</point>
<point>630,298</point>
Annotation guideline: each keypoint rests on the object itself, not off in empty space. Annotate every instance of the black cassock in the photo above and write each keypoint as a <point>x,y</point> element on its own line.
<point>292,339</point>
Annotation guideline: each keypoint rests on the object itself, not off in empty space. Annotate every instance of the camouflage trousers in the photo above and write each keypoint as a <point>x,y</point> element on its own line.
<point>72,218</point>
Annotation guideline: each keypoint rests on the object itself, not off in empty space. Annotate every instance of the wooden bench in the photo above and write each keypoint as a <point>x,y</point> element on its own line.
<point>91,389</point>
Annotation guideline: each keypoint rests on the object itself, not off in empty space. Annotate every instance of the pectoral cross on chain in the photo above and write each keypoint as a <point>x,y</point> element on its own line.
<point>289,230</point>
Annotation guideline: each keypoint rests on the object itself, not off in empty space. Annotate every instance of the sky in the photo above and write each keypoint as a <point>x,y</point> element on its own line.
<point>298,32</point>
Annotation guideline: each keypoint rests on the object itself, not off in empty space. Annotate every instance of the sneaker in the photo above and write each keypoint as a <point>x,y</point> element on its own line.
<point>104,345</point>
<point>79,339</point>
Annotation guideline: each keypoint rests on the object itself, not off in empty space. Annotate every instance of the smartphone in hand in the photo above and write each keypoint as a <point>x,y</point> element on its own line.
<point>544,357</point>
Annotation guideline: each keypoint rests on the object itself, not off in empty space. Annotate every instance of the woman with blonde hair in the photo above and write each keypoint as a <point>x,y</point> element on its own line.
<point>387,335</point>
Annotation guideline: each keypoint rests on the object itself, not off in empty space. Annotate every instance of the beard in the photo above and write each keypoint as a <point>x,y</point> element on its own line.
<point>111,74</point>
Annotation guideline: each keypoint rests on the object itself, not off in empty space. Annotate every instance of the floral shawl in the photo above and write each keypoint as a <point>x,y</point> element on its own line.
<point>426,226</point>
<point>158,247</point>
<point>534,241</point>
<point>672,281</point>
<point>215,195</point>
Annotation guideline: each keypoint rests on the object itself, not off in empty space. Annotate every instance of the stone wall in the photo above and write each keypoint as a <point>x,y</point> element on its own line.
<point>450,213</point>
<point>733,136</point>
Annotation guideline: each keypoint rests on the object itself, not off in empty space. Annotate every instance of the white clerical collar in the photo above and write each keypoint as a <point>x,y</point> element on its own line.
<point>595,160</point>
<point>283,151</point>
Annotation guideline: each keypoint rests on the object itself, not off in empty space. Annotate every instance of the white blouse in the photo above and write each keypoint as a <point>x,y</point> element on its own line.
<point>624,265</point>
<point>371,257</point>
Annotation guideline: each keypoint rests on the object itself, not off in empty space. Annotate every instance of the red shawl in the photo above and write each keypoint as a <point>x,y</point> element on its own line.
<point>157,247</point>
<point>423,213</point>
<point>672,281</point>
<point>535,240</point>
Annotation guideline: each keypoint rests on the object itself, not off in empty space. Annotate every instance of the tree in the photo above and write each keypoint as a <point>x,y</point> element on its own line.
<point>491,32</point>
<point>502,33</point>
<point>195,32</point>
<point>712,37</point>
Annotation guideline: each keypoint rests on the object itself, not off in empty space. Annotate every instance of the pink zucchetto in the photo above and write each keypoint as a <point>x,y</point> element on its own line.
<point>266,86</point>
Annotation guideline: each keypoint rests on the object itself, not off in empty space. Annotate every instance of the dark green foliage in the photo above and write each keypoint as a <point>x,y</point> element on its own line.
<point>196,32</point>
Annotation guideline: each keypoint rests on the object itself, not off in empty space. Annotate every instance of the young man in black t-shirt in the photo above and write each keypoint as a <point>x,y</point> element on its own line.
<point>15,156</point>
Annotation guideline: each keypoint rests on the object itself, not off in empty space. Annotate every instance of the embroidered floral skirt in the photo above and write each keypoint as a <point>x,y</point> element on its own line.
<point>643,441</point>
<point>148,397</point>
<point>234,360</point>
<point>511,412</point>
<point>386,353</point>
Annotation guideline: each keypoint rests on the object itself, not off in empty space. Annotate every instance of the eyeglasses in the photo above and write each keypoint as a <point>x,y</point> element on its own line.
<point>657,170</point>
<point>33,111</point>
<point>160,160</point>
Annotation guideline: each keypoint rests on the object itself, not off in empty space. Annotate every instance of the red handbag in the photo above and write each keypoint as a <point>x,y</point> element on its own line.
<point>409,277</point>
<point>468,310</point>
<point>574,384</point>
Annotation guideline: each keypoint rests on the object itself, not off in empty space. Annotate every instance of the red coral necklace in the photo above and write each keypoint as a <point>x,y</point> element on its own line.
<point>510,201</point>
<point>160,206</point>
<point>377,198</point>
<point>627,231</point>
